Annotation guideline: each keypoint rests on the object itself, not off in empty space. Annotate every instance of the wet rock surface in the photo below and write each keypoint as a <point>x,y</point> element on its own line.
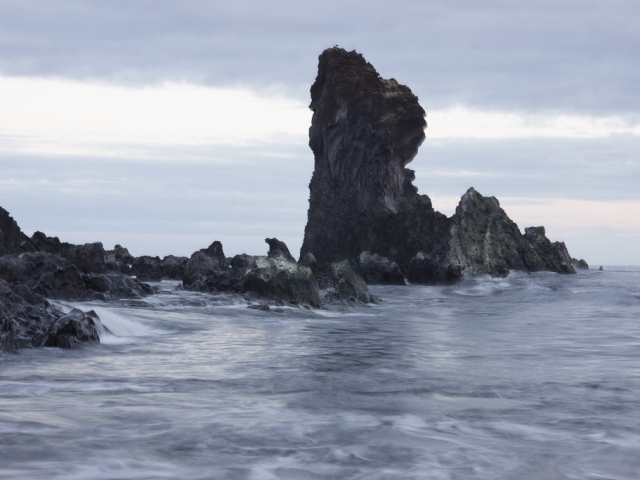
<point>347,286</point>
<point>29,320</point>
<point>276,277</point>
<point>377,270</point>
<point>364,132</point>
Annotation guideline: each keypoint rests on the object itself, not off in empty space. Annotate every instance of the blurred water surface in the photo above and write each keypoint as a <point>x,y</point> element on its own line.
<point>526,377</point>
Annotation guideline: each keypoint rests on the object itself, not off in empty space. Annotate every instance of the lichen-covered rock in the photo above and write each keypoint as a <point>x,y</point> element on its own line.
<point>579,264</point>
<point>377,270</point>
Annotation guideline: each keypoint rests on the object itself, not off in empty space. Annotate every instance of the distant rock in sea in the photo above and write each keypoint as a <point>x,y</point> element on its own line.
<point>579,264</point>
<point>363,206</point>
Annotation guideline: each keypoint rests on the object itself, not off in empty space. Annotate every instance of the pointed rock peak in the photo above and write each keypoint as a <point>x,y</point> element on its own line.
<point>215,250</point>
<point>278,249</point>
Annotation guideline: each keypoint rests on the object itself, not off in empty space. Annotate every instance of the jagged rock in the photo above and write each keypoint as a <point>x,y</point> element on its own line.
<point>51,276</point>
<point>72,329</point>
<point>364,132</point>
<point>426,270</point>
<point>11,236</point>
<point>152,269</point>
<point>118,260</point>
<point>39,242</point>
<point>553,256</point>
<point>87,258</point>
<point>29,320</point>
<point>348,285</point>
<point>377,270</point>
<point>203,263</point>
<point>276,277</point>
<point>580,264</point>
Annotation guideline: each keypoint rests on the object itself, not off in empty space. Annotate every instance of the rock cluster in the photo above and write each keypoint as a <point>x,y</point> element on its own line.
<point>276,277</point>
<point>364,208</point>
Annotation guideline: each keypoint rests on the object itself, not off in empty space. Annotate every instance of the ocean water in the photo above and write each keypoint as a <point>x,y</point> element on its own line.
<point>525,377</point>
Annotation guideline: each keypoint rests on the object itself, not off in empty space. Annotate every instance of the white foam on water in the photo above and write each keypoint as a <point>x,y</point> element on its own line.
<point>121,329</point>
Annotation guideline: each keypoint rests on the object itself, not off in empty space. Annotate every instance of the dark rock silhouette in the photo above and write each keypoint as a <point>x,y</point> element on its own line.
<point>153,269</point>
<point>276,277</point>
<point>29,320</point>
<point>364,132</point>
<point>11,237</point>
<point>580,264</point>
<point>378,270</point>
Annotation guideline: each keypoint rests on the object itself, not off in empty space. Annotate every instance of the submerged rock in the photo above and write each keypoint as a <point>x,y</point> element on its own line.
<point>364,132</point>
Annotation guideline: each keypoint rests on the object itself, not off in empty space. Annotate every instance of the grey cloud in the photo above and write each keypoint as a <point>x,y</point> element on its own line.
<point>531,55</point>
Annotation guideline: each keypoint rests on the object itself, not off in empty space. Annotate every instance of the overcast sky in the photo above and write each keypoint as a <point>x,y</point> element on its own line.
<point>164,125</point>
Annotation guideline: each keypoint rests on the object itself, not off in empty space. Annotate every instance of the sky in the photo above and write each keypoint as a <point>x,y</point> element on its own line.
<point>165,125</point>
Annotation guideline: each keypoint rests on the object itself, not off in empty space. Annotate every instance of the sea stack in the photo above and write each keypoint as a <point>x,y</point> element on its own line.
<point>364,132</point>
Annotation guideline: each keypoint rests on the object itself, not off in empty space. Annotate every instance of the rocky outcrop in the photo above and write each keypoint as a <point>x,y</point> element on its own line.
<point>552,257</point>
<point>205,263</point>
<point>11,237</point>
<point>276,277</point>
<point>364,132</point>
<point>377,270</point>
<point>29,320</point>
<point>579,264</point>
<point>153,269</point>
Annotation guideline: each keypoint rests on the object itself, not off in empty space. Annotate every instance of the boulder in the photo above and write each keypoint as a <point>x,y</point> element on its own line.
<point>348,285</point>
<point>29,320</point>
<point>72,329</point>
<point>377,270</point>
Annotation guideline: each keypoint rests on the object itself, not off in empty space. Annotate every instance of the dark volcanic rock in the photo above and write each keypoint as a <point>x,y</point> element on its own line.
<point>39,242</point>
<point>275,277</point>
<point>11,237</point>
<point>364,132</point>
<point>580,264</point>
<point>426,270</point>
<point>554,257</point>
<point>152,269</point>
<point>29,320</point>
<point>348,285</point>
<point>205,263</point>
<point>377,270</point>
